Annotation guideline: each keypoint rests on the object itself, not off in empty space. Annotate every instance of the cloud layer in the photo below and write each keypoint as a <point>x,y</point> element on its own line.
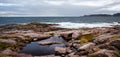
<point>57,7</point>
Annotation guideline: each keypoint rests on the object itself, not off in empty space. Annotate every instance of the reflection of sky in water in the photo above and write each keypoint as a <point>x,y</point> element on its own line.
<point>37,50</point>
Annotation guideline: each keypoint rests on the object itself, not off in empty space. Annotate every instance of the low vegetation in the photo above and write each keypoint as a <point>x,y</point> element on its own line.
<point>86,38</point>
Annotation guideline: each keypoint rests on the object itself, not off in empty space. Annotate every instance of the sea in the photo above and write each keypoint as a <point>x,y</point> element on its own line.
<point>66,22</point>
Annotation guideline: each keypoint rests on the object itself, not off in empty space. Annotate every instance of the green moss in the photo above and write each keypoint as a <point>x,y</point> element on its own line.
<point>116,37</point>
<point>4,37</point>
<point>27,37</point>
<point>117,54</point>
<point>52,33</point>
<point>4,45</point>
<point>86,38</point>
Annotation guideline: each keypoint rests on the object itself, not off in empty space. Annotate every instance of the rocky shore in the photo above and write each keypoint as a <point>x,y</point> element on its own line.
<point>83,42</point>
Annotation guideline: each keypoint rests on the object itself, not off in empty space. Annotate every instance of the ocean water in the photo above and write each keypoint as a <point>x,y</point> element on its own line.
<point>65,22</point>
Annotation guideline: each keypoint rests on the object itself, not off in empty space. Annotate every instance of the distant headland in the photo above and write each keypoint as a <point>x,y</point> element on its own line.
<point>116,14</point>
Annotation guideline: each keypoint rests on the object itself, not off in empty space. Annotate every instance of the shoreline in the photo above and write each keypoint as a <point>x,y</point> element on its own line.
<point>85,40</point>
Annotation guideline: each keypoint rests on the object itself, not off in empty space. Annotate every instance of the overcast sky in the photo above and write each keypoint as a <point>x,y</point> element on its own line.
<point>58,7</point>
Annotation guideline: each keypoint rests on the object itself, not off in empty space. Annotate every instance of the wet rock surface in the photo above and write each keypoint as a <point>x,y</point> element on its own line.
<point>44,40</point>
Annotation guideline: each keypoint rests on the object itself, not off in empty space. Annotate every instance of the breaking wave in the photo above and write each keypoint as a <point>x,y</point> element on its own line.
<point>83,25</point>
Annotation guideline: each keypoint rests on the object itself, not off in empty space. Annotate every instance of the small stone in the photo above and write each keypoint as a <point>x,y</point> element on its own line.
<point>73,55</point>
<point>68,50</point>
<point>82,53</point>
<point>60,50</point>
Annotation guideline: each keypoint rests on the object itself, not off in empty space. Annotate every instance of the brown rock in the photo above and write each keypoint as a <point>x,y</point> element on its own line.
<point>60,50</point>
<point>103,53</point>
<point>68,50</point>
<point>73,55</point>
<point>87,46</point>
<point>76,34</point>
<point>115,43</point>
<point>46,56</point>
<point>8,51</point>
<point>102,39</point>
<point>24,55</point>
<point>83,56</point>
<point>10,41</point>
<point>66,35</point>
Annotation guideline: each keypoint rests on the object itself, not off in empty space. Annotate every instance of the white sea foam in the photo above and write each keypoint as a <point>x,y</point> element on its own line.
<point>83,25</point>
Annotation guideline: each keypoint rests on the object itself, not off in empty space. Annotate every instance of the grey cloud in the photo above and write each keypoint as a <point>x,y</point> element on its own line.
<point>56,7</point>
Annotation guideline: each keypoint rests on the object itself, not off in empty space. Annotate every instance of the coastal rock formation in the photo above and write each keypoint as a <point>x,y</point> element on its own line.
<point>89,42</point>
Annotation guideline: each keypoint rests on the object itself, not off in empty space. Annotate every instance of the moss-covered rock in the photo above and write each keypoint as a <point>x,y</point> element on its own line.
<point>86,38</point>
<point>4,45</point>
<point>7,37</point>
<point>4,37</point>
<point>52,33</point>
<point>115,37</point>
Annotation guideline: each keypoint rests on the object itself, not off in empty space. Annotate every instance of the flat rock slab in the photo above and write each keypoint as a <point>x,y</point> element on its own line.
<point>52,40</point>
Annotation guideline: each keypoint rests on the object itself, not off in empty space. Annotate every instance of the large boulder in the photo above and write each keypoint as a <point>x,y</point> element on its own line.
<point>103,53</point>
